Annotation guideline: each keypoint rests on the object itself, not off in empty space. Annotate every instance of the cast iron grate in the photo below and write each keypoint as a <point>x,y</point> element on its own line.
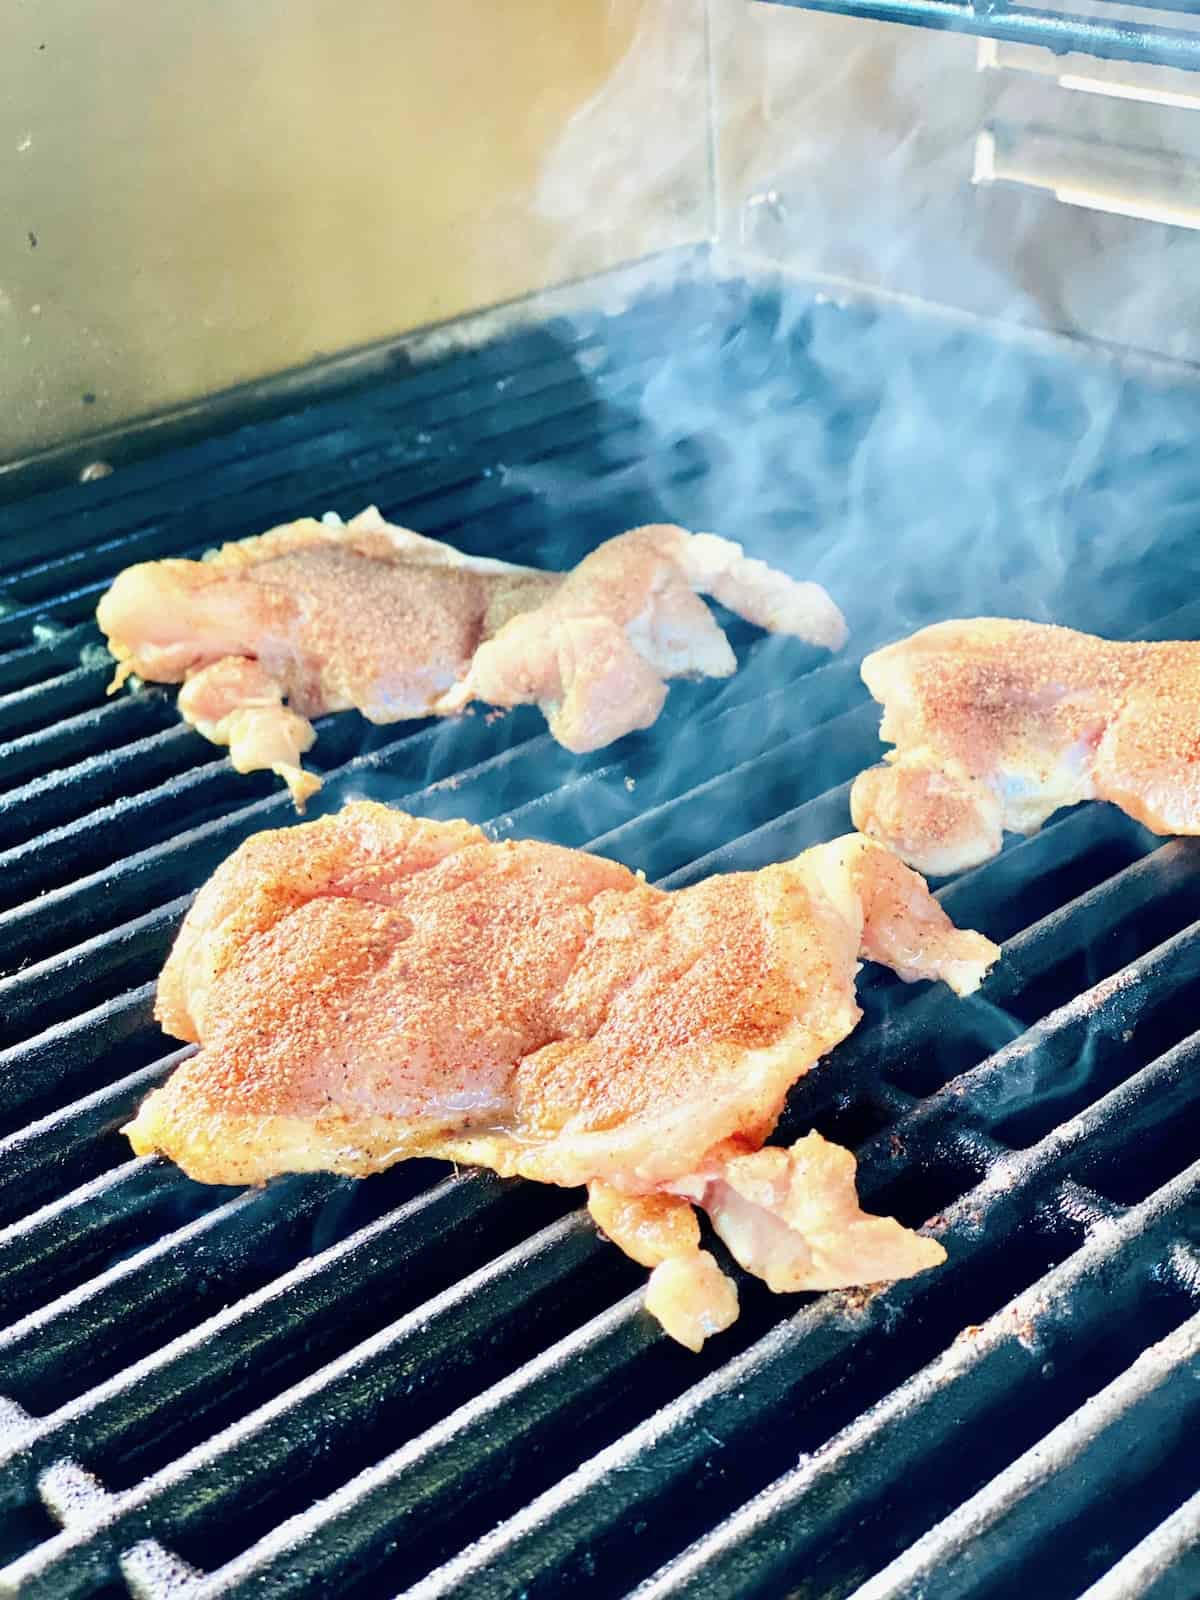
<point>440,1383</point>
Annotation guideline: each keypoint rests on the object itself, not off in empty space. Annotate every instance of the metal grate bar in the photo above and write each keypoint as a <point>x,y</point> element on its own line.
<point>71,1145</point>
<point>52,699</point>
<point>392,379</point>
<point>561,1538</point>
<point>1164,1566</point>
<point>34,998</point>
<point>81,790</point>
<point>1020,1092</point>
<point>80,1232</point>
<point>89,904</point>
<point>86,1325</point>
<point>194,1371</point>
<point>444,392</point>
<point>1087,1142</point>
<point>606,809</point>
<point>29,667</point>
<point>522,1413</point>
<point>1011,1360</point>
<point>486,1443</point>
<point>71,792</point>
<point>1113,1441</point>
<point>40,862</point>
<point>120,1029</point>
<point>931,1038</point>
<point>455,1342</point>
<point>133,718</point>
<point>569,409</point>
<point>661,838</point>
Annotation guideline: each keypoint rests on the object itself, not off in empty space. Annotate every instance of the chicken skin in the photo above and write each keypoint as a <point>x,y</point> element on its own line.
<point>997,724</point>
<point>372,987</point>
<point>313,617</point>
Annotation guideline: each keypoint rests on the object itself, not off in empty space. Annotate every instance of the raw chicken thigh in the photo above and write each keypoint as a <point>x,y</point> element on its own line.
<point>313,617</point>
<point>372,987</point>
<point>998,723</point>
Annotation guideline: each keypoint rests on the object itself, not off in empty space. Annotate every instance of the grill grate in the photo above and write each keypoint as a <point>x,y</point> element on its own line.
<point>443,1382</point>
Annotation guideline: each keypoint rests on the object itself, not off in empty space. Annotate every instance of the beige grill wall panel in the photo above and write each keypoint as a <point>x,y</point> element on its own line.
<point>196,196</point>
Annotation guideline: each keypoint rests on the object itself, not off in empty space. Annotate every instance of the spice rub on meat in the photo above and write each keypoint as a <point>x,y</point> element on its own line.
<point>997,724</point>
<point>372,987</point>
<point>313,617</point>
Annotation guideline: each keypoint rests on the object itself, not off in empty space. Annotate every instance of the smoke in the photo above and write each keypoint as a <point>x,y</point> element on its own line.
<point>934,396</point>
<point>875,392</point>
<point>636,153</point>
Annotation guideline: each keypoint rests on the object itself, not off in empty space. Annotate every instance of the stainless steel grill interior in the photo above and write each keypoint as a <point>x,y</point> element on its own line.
<point>440,1383</point>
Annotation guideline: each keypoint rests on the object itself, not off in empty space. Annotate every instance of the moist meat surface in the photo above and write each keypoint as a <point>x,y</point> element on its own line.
<point>373,986</point>
<point>996,724</point>
<point>309,618</point>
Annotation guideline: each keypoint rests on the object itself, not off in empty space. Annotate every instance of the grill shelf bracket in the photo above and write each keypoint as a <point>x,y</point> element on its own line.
<point>1151,44</point>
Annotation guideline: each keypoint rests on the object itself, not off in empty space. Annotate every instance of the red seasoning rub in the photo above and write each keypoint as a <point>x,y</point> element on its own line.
<point>372,987</point>
<point>314,617</point>
<point>997,724</point>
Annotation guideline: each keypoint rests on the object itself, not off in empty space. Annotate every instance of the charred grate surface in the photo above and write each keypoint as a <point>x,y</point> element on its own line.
<point>443,1384</point>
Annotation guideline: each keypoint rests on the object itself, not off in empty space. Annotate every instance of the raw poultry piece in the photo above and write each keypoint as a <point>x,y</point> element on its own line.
<point>313,617</point>
<point>372,987</point>
<point>997,724</point>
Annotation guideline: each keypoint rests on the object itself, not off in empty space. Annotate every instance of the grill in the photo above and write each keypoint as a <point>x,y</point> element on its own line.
<point>439,1383</point>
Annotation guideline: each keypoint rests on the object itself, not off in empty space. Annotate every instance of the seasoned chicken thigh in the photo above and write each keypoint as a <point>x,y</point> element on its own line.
<point>313,617</point>
<point>997,724</point>
<point>372,987</point>
<point>324,617</point>
<point>596,653</point>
